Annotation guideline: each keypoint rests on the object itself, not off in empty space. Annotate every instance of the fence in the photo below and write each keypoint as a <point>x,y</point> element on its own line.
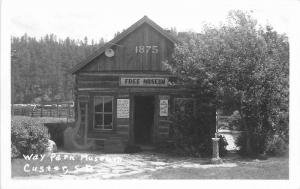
<point>60,110</point>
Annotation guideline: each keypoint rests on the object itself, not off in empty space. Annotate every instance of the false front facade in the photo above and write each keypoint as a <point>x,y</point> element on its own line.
<point>123,93</point>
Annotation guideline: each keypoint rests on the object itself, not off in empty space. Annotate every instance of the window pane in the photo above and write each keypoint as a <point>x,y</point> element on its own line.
<point>98,120</point>
<point>107,104</point>
<point>107,119</point>
<point>103,112</point>
<point>98,104</point>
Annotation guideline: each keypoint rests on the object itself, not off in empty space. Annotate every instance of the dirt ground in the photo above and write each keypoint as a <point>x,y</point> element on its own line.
<point>154,166</point>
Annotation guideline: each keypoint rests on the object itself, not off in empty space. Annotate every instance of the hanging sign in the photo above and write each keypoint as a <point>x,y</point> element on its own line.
<point>122,108</point>
<point>144,82</point>
<point>163,106</point>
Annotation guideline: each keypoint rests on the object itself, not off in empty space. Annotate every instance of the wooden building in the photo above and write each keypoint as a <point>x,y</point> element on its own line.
<point>123,91</point>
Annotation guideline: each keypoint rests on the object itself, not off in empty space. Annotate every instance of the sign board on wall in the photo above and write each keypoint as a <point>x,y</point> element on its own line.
<point>144,82</point>
<point>163,107</point>
<point>122,108</point>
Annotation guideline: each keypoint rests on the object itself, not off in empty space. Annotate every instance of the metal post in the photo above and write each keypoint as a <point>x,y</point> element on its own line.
<point>68,113</point>
<point>215,153</point>
<point>216,124</point>
<point>57,110</point>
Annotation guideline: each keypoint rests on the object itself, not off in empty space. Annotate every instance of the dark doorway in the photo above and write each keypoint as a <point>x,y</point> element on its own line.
<point>143,119</point>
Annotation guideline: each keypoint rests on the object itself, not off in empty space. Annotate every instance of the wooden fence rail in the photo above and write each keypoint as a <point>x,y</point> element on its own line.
<point>65,111</point>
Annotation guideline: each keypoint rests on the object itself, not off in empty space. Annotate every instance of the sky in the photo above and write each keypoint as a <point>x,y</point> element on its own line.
<point>98,18</point>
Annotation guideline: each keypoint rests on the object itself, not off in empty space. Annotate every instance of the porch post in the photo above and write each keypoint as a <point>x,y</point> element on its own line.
<point>131,119</point>
<point>86,123</point>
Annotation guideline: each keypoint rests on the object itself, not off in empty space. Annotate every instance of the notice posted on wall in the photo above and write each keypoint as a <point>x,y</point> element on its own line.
<point>163,106</point>
<point>123,108</point>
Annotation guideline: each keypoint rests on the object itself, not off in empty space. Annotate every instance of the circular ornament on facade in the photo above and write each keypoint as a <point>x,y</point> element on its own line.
<point>109,53</point>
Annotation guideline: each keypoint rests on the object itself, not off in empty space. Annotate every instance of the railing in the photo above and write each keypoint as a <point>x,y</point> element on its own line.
<point>60,110</point>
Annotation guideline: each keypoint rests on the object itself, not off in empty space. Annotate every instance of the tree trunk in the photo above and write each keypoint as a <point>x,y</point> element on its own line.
<point>245,127</point>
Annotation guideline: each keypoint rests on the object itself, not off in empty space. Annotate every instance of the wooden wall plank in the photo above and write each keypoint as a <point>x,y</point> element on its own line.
<point>126,57</point>
<point>103,84</point>
<point>98,78</point>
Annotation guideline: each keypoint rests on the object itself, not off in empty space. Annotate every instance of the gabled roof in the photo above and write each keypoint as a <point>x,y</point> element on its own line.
<point>118,38</point>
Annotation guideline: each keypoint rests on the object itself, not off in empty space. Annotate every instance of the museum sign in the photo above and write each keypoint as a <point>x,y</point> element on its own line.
<point>143,82</point>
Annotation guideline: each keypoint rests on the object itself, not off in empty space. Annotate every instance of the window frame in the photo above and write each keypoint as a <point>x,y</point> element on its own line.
<point>103,113</point>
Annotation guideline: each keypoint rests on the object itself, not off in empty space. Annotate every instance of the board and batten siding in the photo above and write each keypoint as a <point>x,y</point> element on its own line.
<point>139,52</point>
<point>126,58</point>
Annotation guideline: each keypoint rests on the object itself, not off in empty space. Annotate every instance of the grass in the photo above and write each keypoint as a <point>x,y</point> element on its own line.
<point>273,168</point>
<point>42,119</point>
<point>246,168</point>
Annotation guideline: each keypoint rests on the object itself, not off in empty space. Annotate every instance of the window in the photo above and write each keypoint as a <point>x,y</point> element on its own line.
<point>103,108</point>
<point>184,105</point>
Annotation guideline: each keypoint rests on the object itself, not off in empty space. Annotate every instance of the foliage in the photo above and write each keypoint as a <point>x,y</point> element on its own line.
<point>28,137</point>
<point>257,143</point>
<point>40,67</point>
<point>273,145</point>
<point>276,145</point>
<point>222,145</point>
<point>191,136</point>
<point>230,122</point>
<point>56,131</point>
<point>246,66</point>
<point>41,120</point>
<point>234,121</point>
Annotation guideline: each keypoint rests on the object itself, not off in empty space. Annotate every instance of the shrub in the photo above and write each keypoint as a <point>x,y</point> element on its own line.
<point>191,136</point>
<point>56,131</point>
<point>276,145</point>
<point>283,126</point>
<point>240,143</point>
<point>273,145</point>
<point>28,137</point>
<point>257,142</point>
<point>234,121</point>
<point>14,151</point>
<point>222,145</point>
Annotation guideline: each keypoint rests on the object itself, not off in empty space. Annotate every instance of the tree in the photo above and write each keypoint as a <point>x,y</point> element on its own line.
<point>40,68</point>
<point>242,64</point>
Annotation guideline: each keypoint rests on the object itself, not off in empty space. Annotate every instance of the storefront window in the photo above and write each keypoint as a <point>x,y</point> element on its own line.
<point>103,112</point>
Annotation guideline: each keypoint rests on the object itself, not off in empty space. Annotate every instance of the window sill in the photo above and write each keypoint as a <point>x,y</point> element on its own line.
<point>104,130</point>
